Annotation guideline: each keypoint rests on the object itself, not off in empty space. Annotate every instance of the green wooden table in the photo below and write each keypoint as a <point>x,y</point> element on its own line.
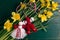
<point>7,6</point>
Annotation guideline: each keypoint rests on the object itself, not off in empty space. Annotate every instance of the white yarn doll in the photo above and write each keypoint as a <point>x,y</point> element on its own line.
<point>19,33</point>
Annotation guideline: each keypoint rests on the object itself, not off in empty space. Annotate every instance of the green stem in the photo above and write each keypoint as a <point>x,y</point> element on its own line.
<point>5,35</point>
<point>6,38</point>
<point>12,39</point>
<point>2,33</point>
<point>39,29</point>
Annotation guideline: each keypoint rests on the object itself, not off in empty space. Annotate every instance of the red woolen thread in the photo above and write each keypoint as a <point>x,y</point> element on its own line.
<point>15,26</point>
<point>18,32</point>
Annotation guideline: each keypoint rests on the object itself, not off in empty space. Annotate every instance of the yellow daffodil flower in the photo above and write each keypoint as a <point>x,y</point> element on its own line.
<point>43,17</point>
<point>39,15</point>
<point>32,1</point>
<point>43,5</point>
<point>48,5</point>
<point>42,1</point>
<point>8,25</point>
<point>15,16</point>
<point>45,11</point>
<point>54,6</point>
<point>49,14</point>
<point>47,0</point>
<point>23,6</point>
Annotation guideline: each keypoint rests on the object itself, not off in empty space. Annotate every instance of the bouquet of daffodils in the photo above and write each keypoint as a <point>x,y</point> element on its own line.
<point>29,17</point>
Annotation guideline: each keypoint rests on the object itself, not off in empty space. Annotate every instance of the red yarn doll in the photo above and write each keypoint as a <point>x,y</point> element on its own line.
<point>29,26</point>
